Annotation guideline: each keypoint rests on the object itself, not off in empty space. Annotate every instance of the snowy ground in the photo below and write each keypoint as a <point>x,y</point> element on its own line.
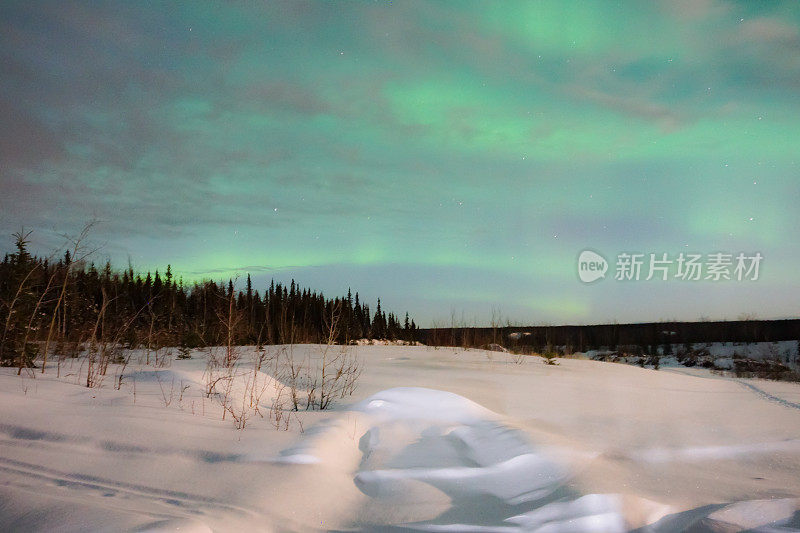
<point>720,355</point>
<point>432,440</point>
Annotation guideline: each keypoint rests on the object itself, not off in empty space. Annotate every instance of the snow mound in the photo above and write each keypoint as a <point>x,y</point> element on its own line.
<point>761,515</point>
<point>445,463</point>
<point>756,516</point>
<point>418,403</point>
<point>184,525</point>
<point>165,376</point>
<point>599,513</point>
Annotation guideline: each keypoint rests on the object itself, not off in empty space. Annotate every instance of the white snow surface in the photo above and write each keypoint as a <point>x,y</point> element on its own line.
<point>431,440</point>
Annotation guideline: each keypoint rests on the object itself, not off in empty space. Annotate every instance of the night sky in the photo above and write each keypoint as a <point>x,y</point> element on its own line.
<point>452,158</point>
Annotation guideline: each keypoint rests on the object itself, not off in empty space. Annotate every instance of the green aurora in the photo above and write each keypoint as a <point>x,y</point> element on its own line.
<point>452,158</point>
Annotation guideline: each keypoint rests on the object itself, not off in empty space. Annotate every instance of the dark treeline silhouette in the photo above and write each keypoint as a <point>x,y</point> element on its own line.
<point>48,306</point>
<point>645,335</point>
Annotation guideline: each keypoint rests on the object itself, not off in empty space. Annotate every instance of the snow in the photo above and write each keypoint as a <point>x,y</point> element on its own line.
<point>451,443</point>
<point>720,355</point>
<point>431,440</point>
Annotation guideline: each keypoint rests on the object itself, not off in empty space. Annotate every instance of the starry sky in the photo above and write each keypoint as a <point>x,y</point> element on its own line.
<point>453,158</point>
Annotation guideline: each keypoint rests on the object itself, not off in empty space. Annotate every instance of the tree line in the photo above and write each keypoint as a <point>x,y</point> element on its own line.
<point>52,306</point>
<point>643,337</point>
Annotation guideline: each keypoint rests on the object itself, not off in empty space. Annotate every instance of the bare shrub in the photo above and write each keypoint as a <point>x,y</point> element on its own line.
<point>314,383</point>
<point>256,384</point>
<point>338,369</point>
<point>280,413</point>
<point>78,254</point>
<point>299,382</point>
<point>213,375</point>
<point>167,398</point>
<point>238,387</point>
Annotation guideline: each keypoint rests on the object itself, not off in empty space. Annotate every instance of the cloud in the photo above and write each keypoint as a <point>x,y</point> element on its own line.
<point>283,95</point>
<point>694,10</point>
<point>637,106</point>
<point>409,133</point>
<point>251,269</point>
<point>765,29</point>
<point>24,140</point>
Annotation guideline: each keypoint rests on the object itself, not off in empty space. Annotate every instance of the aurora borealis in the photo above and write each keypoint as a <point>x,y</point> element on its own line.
<point>448,157</point>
